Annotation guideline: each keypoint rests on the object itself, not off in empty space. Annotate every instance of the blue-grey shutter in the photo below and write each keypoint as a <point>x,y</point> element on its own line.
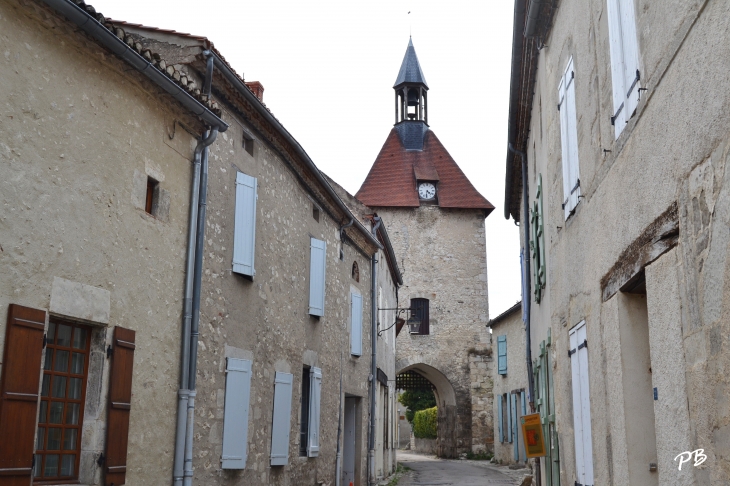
<point>524,412</point>
<point>513,400</point>
<point>244,233</point>
<point>501,419</point>
<point>315,392</point>
<point>317,261</point>
<point>502,354</point>
<point>356,325</point>
<point>235,416</point>
<point>509,417</point>
<point>282,419</point>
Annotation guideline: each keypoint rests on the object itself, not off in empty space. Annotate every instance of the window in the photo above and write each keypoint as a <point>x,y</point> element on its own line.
<point>500,417</point>
<point>281,419</point>
<point>317,263</point>
<point>355,324</point>
<point>244,233</point>
<point>248,144</point>
<point>355,272</point>
<point>315,212</point>
<point>235,417</point>
<point>310,407</point>
<point>502,354</point>
<point>419,309</point>
<point>625,73</point>
<point>569,140</point>
<point>58,438</point>
<point>152,186</point>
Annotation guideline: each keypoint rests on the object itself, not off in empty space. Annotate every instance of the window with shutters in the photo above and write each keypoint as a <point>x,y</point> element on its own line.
<point>317,263</point>
<point>63,389</point>
<point>244,232</point>
<point>355,324</point>
<point>281,418</point>
<point>304,413</point>
<point>502,355</point>
<point>419,310</point>
<point>578,353</point>
<point>625,74</point>
<point>310,412</point>
<point>569,140</point>
<point>500,417</point>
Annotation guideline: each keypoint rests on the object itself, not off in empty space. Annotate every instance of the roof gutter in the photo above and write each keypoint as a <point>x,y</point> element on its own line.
<point>91,26</point>
<point>514,93</point>
<point>533,13</point>
<point>233,78</point>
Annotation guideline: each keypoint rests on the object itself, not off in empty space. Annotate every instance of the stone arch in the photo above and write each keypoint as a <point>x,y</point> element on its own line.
<point>446,402</point>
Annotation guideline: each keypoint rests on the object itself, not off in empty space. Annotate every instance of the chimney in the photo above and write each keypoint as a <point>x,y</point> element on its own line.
<point>257,89</point>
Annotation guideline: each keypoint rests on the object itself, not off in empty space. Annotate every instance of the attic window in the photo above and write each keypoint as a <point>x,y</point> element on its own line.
<point>248,144</point>
<point>355,272</point>
<point>152,186</point>
<point>315,212</point>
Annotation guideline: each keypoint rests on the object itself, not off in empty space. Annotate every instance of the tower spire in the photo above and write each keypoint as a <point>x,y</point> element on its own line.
<point>410,89</point>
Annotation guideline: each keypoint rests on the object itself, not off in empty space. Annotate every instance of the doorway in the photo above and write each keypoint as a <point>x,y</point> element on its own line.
<point>352,442</point>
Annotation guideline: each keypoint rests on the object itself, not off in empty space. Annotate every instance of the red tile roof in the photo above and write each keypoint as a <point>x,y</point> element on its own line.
<point>392,178</point>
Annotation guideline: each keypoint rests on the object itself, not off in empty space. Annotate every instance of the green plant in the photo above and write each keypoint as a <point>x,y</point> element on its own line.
<point>399,470</point>
<point>478,456</point>
<point>416,400</point>
<point>425,423</point>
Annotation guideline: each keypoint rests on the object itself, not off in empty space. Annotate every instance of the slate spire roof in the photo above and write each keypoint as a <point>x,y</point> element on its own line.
<point>410,70</point>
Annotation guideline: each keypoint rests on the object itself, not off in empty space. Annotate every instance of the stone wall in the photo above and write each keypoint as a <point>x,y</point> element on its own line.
<point>482,397</point>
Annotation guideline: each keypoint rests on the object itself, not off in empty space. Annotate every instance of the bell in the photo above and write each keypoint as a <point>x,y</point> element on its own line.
<point>413,98</point>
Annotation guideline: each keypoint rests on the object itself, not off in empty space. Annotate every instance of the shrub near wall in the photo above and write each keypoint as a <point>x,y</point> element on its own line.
<point>425,423</point>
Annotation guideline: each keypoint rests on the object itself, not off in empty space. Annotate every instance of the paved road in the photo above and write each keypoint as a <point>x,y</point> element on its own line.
<point>431,471</point>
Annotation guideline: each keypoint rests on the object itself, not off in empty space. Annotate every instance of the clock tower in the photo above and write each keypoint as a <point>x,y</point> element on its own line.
<point>435,219</point>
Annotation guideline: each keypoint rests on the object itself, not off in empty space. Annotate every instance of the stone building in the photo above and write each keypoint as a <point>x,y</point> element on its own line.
<point>435,218</point>
<point>509,388</point>
<point>241,354</point>
<point>619,134</point>
<point>95,196</point>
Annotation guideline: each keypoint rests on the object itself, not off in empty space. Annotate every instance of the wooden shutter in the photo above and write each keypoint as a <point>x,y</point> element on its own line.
<point>502,354</point>
<point>500,413</point>
<point>524,412</point>
<point>356,325</point>
<point>244,235</point>
<point>317,262</point>
<point>515,427</point>
<point>624,61</point>
<point>508,396</point>
<point>315,393</point>
<point>569,139</point>
<point>19,385</point>
<point>581,405</point>
<point>280,427</point>
<point>235,416</point>
<point>120,398</point>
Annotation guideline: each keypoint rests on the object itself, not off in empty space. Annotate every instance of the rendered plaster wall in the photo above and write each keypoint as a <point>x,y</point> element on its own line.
<point>513,328</point>
<point>266,320</point>
<point>442,255</point>
<point>674,149</point>
<point>79,131</point>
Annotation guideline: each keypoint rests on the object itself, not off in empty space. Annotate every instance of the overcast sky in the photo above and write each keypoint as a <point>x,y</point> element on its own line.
<point>328,69</point>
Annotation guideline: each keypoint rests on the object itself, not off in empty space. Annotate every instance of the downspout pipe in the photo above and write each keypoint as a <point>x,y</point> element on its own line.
<point>374,355</point>
<point>527,299</point>
<point>188,364</point>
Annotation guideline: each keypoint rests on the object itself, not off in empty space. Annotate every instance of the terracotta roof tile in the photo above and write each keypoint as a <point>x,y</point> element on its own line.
<point>392,178</point>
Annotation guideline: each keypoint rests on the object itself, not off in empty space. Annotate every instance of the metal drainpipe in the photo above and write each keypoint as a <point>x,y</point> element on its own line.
<point>374,345</point>
<point>527,299</point>
<point>184,394</point>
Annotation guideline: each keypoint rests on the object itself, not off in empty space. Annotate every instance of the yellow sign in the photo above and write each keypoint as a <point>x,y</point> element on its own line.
<point>532,435</point>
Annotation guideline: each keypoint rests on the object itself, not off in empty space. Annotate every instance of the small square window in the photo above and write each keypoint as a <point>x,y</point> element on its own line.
<point>315,212</point>
<point>152,186</point>
<point>248,144</point>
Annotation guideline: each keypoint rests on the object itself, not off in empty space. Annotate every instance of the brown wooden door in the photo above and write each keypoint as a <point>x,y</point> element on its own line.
<point>19,393</point>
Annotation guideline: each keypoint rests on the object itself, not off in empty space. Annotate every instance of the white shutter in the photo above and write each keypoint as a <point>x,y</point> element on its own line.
<point>356,325</point>
<point>244,233</point>
<point>315,392</point>
<point>317,262</point>
<point>235,415</point>
<point>581,405</point>
<point>569,139</point>
<point>624,60</point>
<point>281,423</point>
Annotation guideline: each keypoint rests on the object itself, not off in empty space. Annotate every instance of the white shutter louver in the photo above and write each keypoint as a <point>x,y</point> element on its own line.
<point>624,61</point>
<point>317,262</point>
<point>356,325</point>
<point>235,417</point>
<point>244,233</point>
<point>569,140</point>
<point>281,423</point>
<point>315,393</point>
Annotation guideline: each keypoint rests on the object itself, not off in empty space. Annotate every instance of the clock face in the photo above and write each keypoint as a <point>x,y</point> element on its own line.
<point>426,190</point>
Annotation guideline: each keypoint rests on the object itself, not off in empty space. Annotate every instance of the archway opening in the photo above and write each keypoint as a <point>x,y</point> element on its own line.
<point>421,376</point>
